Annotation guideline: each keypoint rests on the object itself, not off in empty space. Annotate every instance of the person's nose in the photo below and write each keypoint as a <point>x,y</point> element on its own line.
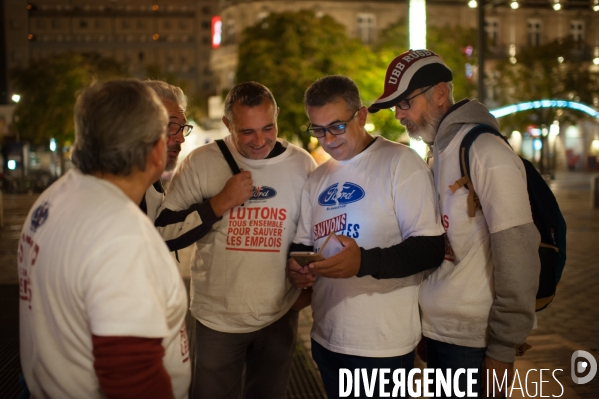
<point>328,137</point>
<point>259,139</point>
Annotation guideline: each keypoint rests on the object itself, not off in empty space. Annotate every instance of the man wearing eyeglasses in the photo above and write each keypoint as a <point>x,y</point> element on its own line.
<point>479,305</point>
<point>175,102</point>
<point>240,297</point>
<point>378,197</point>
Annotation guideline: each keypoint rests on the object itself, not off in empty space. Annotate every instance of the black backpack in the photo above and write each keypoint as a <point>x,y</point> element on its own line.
<point>545,213</point>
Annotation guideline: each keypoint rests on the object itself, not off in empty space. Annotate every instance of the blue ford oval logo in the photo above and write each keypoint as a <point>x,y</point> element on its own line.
<point>341,194</point>
<point>39,216</point>
<point>264,192</point>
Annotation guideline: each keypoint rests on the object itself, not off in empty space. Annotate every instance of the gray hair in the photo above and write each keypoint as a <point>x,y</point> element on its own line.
<point>429,94</point>
<point>168,92</point>
<point>328,89</point>
<point>117,123</point>
<point>249,94</point>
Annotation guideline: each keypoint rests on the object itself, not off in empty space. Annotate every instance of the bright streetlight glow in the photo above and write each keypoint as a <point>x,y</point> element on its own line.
<point>16,98</point>
<point>514,4</point>
<point>12,164</point>
<point>472,4</point>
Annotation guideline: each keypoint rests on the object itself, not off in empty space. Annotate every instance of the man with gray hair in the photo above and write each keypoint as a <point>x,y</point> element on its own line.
<point>239,296</point>
<point>175,102</point>
<point>102,304</point>
<point>478,307</point>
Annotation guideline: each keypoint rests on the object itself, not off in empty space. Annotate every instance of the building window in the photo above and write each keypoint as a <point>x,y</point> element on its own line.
<point>83,24</point>
<point>535,28</point>
<point>206,25</point>
<point>492,29</point>
<point>577,30</point>
<point>366,24</point>
<point>230,32</point>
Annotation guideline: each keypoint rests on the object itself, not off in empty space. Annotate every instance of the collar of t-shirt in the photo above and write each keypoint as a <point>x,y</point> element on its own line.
<point>277,150</point>
<point>368,145</point>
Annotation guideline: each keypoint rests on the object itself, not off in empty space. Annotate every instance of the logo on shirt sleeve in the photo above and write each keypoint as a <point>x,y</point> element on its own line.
<point>39,216</point>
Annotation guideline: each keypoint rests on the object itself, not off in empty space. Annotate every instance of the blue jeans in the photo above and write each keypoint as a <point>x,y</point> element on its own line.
<point>330,362</point>
<point>441,355</point>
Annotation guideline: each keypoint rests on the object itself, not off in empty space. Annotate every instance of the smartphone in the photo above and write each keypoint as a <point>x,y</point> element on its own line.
<point>330,247</point>
<point>305,258</point>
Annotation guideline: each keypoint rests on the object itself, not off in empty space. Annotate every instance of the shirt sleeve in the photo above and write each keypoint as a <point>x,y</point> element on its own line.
<point>303,234</point>
<point>415,200</point>
<point>185,215</point>
<point>499,179</point>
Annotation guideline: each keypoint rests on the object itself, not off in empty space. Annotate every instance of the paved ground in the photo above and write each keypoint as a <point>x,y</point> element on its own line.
<point>570,323</point>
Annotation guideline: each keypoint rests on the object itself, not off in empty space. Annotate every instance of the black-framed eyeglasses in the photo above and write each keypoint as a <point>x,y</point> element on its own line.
<point>174,128</point>
<point>405,103</point>
<point>335,130</point>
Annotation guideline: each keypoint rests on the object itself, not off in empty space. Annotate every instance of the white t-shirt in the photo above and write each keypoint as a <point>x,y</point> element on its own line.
<point>457,297</point>
<point>90,262</point>
<point>380,197</point>
<point>153,202</point>
<point>238,268</point>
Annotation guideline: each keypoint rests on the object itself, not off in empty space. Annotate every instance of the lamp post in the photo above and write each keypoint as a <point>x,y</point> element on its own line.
<point>481,51</point>
<point>417,37</point>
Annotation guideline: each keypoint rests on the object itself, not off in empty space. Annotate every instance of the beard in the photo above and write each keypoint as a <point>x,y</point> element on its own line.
<point>171,162</point>
<point>425,128</point>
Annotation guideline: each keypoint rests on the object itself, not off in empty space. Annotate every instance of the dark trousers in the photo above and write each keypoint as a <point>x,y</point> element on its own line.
<point>441,355</point>
<point>267,355</point>
<point>330,362</point>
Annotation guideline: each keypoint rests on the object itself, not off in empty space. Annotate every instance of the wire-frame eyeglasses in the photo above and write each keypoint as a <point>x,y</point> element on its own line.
<point>335,130</point>
<point>174,128</point>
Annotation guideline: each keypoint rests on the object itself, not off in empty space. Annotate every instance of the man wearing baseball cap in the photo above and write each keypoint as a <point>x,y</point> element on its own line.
<point>479,305</point>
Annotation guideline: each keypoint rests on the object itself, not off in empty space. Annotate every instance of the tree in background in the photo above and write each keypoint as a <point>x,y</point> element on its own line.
<point>456,45</point>
<point>195,104</point>
<point>551,71</point>
<point>48,89</point>
<point>288,51</point>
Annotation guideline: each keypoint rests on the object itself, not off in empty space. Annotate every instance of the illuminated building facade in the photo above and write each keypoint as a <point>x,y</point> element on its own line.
<point>174,35</point>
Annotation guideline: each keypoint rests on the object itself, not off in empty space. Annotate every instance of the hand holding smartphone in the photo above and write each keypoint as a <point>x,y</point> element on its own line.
<point>330,247</point>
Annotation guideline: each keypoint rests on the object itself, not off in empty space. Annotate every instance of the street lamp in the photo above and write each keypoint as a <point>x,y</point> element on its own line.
<point>16,98</point>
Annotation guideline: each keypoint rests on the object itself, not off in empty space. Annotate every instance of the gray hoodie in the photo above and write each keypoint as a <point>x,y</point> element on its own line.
<point>514,251</point>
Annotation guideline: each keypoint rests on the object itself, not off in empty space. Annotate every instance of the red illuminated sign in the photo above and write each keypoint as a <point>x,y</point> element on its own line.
<point>217,31</point>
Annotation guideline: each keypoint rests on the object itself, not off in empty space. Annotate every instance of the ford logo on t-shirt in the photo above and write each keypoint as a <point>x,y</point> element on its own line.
<point>264,192</point>
<point>341,194</point>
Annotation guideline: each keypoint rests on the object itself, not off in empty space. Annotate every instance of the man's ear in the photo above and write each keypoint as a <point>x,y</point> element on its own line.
<point>440,94</point>
<point>227,123</point>
<point>156,160</point>
<point>362,115</point>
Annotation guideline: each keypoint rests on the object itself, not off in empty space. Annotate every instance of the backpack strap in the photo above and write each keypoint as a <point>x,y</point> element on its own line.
<point>228,156</point>
<point>465,180</point>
